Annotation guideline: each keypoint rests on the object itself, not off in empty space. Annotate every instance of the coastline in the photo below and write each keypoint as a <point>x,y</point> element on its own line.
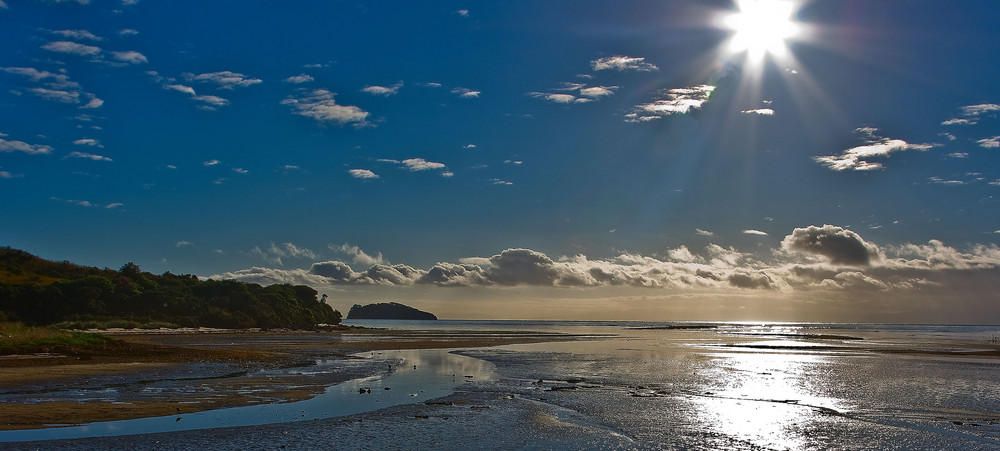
<point>231,368</point>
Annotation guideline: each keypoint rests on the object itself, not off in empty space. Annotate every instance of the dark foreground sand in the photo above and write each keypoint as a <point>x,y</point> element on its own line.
<point>224,364</point>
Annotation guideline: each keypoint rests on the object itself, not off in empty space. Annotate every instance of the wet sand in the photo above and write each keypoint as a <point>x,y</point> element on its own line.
<point>159,373</point>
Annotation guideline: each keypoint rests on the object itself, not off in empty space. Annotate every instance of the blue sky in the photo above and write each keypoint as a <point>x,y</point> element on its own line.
<point>558,159</point>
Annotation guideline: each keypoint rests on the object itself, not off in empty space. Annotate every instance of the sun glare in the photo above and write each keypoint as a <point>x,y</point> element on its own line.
<point>762,27</point>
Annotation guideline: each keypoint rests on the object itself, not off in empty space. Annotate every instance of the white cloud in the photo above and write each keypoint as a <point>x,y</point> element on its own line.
<point>759,112</point>
<point>275,253</point>
<point>130,57</point>
<point>224,79</point>
<point>88,156</point>
<point>319,104</point>
<point>240,171</point>
<point>469,146</point>
<point>21,146</point>
<point>78,35</point>
<point>500,182</point>
<point>466,93</point>
<point>89,204</point>
<point>383,90</point>
<point>555,98</point>
<point>979,110</point>
<point>211,163</point>
<point>859,158</point>
<point>971,114</point>
<point>299,79</point>
<point>88,142</point>
<point>360,256</point>
<point>597,91</point>
<point>672,101</point>
<point>180,88</point>
<point>623,63</point>
<point>93,103</point>
<point>462,12</point>
<point>703,232</point>
<point>420,164</point>
<point>56,95</point>
<point>211,101</point>
<point>183,244</point>
<point>128,32</point>
<point>989,143</point>
<point>3,5</point>
<point>72,48</point>
<point>363,174</point>
<point>754,232</point>
<point>958,155</point>
<point>8,175</point>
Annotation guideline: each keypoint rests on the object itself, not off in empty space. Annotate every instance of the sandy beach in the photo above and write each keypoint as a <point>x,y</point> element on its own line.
<point>226,366</point>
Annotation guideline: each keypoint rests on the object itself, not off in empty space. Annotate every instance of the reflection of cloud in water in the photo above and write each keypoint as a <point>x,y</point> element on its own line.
<point>441,363</point>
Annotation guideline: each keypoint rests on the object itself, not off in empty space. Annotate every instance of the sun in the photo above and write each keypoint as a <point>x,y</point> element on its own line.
<point>762,27</point>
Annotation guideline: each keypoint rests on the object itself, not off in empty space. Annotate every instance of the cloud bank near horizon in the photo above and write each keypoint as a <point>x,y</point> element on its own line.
<point>809,259</point>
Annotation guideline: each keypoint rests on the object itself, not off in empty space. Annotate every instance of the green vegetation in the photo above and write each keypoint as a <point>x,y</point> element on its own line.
<point>16,338</point>
<point>40,292</point>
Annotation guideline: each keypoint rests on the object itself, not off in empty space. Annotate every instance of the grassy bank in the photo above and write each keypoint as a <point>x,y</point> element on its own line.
<point>16,338</point>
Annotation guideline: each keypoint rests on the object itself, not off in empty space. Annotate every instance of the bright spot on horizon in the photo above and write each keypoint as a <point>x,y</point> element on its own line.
<point>762,27</point>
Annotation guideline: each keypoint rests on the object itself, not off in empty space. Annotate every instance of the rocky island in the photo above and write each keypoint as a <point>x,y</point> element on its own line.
<point>388,310</point>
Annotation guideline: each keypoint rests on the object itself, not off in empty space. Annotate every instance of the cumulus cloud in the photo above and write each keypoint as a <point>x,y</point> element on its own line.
<point>88,142</point>
<point>811,258</point>
<point>584,93</point>
<point>754,232</point>
<point>623,63</point>
<point>21,146</point>
<point>759,112</point>
<point>223,79</point>
<point>383,90</point>
<point>860,158</point>
<point>72,48</point>
<point>56,95</point>
<point>88,156</point>
<point>672,101</point>
<point>838,245</point>
<point>81,35</point>
<point>420,164</point>
<point>703,232</point>
<point>211,102</point>
<point>466,93</point>
<point>299,79</point>
<point>555,97</point>
<point>180,88</point>
<point>319,104</point>
<point>363,174</point>
<point>130,57</point>
<point>989,143</point>
<point>970,114</point>
<point>359,255</point>
<point>276,252</point>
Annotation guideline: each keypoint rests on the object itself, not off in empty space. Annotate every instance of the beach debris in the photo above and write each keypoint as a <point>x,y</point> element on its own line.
<point>178,419</point>
<point>364,390</point>
<point>388,388</point>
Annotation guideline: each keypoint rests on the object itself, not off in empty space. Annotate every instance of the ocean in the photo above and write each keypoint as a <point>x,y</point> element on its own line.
<point>646,385</point>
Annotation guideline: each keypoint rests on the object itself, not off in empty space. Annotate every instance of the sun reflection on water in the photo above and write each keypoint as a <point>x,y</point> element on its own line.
<point>767,399</point>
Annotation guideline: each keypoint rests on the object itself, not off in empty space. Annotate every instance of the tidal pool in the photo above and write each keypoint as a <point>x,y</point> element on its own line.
<point>417,376</point>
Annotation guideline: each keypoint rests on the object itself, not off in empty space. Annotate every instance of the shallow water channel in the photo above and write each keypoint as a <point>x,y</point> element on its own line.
<point>417,376</point>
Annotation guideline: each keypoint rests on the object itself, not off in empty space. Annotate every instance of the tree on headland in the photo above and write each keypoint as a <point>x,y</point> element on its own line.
<point>40,292</point>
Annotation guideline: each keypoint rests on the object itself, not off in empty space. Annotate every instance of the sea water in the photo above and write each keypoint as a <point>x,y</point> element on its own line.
<point>678,386</point>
